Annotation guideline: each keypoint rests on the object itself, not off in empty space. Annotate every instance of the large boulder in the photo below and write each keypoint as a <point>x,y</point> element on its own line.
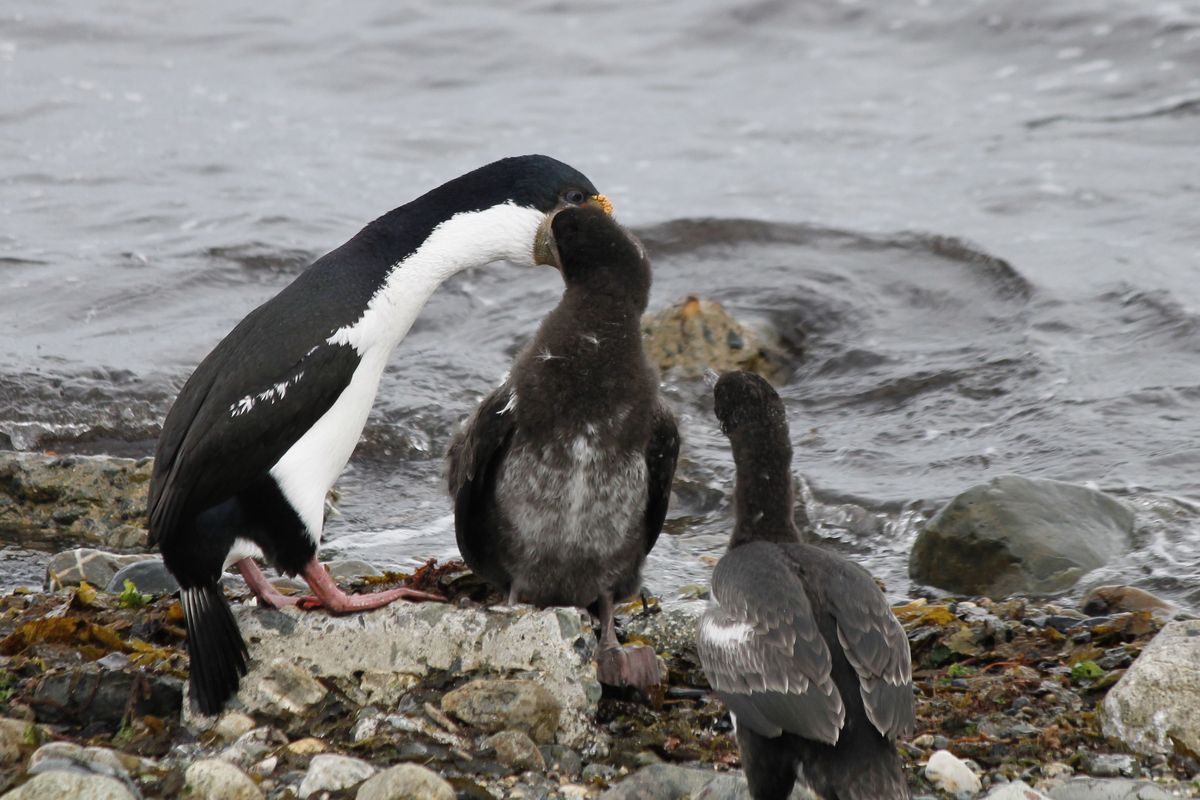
<point>1017,535</point>
<point>73,500</point>
<point>1153,707</point>
<point>377,656</point>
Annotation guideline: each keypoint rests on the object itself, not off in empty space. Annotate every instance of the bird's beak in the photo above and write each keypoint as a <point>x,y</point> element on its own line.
<point>601,202</point>
<point>545,251</point>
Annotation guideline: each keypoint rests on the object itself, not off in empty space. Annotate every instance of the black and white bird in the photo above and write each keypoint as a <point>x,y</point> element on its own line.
<point>561,478</point>
<point>269,418</point>
<point>799,642</point>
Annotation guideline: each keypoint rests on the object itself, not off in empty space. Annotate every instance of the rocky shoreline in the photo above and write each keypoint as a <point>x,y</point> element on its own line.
<point>1017,697</point>
<point>474,699</point>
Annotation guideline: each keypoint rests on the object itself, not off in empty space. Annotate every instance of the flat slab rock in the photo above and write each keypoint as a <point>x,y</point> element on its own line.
<point>382,653</point>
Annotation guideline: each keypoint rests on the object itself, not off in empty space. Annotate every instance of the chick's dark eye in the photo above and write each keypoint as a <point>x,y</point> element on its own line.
<point>574,197</point>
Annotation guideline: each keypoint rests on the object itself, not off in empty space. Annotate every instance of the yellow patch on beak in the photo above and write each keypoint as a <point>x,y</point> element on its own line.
<point>604,203</point>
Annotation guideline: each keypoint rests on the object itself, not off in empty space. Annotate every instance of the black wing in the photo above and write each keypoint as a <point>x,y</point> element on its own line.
<point>471,462</point>
<point>249,401</point>
<point>661,455</point>
<point>763,651</point>
<point>876,646</point>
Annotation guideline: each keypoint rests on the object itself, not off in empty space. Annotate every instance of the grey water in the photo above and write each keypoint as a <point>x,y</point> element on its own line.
<point>977,217</point>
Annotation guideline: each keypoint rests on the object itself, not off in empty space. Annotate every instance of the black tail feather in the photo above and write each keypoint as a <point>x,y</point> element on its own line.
<point>215,647</point>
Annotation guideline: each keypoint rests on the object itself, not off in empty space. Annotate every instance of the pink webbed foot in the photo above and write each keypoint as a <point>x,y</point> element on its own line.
<point>328,595</point>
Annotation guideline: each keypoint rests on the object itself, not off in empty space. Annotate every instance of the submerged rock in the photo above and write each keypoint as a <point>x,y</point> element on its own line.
<point>1153,707</point>
<point>73,500</point>
<point>697,335</point>
<point>406,782</point>
<point>1018,535</point>
<point>61,784</point>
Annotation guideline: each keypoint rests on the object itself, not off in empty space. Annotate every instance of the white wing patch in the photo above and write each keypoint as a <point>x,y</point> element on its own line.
<point>269,395</point>
<point>725,635</point>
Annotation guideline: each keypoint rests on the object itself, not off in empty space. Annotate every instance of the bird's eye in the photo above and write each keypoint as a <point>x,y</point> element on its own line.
<point>574,197</point>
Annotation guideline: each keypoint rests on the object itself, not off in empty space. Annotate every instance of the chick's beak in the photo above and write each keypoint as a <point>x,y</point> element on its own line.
<point>545,251</point>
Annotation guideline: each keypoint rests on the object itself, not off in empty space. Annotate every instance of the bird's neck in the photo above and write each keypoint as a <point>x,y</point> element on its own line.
<point>407,266</point>
<point>764,497</point>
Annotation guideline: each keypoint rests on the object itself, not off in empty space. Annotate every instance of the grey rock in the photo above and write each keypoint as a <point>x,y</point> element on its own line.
<point>91,693</point>
<point>72,500</point>
<point>598,773</point>
<point>99,760</point>
<point>149,577</point>
<point>660,782</point>
<point>1107,789</point>
<point>330,773</point>
<point>253,745</point>
<point>214,779</point>
<point>1152,708</point>
<point>516,750</point>
<point>1017,535</point>
<point>732,786</point>
<point>97,567</point>
<point>695,335</point>
<point>561,759</point>
<point>1017,790</point>
<point>61,784</point>
<point>554,647</point>
<point>406,782</point>
<point>497,704</point>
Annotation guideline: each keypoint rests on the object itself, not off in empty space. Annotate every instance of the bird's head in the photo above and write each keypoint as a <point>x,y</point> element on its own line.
<point>748,407</point>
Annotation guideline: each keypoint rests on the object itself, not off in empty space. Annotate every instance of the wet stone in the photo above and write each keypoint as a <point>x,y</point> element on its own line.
<point>1017,535</point>
<point>347,570</point>
<point>253,745</point>
<point>562,760</point>
<point>695,335</point>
